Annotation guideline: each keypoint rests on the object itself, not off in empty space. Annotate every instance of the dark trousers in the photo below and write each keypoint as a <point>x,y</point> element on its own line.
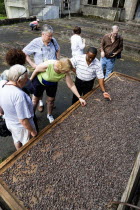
<point>83,87</point>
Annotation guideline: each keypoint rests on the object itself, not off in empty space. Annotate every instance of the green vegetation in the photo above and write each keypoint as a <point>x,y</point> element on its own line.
<point>2,9</point>
<point>4,17</point>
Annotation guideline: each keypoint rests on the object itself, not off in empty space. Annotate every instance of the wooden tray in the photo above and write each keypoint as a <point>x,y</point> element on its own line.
<point>86,158</point>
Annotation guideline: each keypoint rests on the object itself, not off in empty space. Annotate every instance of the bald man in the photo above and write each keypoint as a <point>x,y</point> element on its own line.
<point>111,47</point>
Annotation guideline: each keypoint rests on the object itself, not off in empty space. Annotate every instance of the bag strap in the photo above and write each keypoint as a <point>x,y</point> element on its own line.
<point>53,44</point>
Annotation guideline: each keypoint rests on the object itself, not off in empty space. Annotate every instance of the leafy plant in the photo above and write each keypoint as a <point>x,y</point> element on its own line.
<point>2,8</point>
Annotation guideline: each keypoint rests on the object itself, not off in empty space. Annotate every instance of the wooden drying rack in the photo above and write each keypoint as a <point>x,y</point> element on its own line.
<point>11,200</point>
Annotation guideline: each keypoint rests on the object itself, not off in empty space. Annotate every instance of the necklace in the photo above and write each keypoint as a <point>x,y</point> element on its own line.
<point>6,83</point>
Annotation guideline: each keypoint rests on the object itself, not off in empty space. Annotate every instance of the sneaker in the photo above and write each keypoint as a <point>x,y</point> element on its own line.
<point>50,118</point>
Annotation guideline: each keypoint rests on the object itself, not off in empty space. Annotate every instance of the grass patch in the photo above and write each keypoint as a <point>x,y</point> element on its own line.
<point>3,17</point>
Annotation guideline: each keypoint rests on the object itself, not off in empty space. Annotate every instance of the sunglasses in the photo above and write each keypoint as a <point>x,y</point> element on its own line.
<point>22,74</point>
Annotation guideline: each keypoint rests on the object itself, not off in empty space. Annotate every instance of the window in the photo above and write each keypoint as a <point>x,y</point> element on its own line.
<point>89,1</point>
<point>93,2</point>
<point>66,4</point>
<point>48,1</point>
<point>118,3</point>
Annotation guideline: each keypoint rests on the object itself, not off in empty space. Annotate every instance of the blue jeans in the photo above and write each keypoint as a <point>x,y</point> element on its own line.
<point>107,65</point>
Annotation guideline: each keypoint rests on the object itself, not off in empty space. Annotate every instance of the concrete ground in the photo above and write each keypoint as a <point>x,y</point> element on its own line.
<point>18,35</point>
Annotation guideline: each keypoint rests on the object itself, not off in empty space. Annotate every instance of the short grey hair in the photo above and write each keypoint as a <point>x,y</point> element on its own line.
<point>47,28</point>
<point>17,72</point>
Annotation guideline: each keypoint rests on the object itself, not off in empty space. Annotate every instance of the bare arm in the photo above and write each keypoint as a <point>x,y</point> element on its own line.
<point>102,86</point>
<point>101,83</point>
<point>74,70</point>
<point>28,59</point>
<point>1,111</point>
<point>73,88</point>
<point>40,68</point>
<point>58,54</point>
<point>26,124</point>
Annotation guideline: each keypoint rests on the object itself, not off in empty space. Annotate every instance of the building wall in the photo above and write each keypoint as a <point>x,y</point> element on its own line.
<point>101,3</point>
<point>105,9</point>
<point>105,3</point>
<point>74,6</point>
<point>26,8</point>
<point>137,14</point>
<point>130,9</point>
<point>16,8</point>
<point>103,12</point>
<point>35,6</point>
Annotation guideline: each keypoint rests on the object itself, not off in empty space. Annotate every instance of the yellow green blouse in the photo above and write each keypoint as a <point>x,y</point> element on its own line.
<point>50,75</point>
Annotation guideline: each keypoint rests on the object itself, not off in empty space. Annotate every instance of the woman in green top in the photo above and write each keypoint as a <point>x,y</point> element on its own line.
<point>46,76</point>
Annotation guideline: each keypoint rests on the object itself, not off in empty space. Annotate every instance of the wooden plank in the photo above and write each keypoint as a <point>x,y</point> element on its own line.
<point>9,197</point>
<point>125,76</point>
<point>132,183</point>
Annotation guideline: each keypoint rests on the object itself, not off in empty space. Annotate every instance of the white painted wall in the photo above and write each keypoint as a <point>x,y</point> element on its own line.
<point>16,9</point>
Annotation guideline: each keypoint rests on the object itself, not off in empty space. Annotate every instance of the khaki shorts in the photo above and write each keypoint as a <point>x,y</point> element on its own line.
<point>19,134</point>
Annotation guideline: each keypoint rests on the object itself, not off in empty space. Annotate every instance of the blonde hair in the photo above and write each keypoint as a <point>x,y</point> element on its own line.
<point>64,64</point>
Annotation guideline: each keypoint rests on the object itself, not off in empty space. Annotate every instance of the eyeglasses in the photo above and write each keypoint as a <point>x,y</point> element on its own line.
<point>22,74</point>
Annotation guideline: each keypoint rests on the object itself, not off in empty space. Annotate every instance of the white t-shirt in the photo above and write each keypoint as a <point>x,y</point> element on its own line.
<point>77,45</point>
<point>16,105</point>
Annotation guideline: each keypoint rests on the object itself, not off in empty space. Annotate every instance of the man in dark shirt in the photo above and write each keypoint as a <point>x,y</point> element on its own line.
<point>111,47</point>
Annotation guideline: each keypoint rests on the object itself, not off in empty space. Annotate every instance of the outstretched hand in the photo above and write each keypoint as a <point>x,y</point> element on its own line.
<point>82,101</point>
<point>106,95</point>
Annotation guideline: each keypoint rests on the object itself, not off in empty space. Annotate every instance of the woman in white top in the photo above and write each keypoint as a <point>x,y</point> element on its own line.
<point>77,43</point>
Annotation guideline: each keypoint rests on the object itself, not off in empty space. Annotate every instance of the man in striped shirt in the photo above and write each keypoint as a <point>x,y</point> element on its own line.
<point>88,67</point>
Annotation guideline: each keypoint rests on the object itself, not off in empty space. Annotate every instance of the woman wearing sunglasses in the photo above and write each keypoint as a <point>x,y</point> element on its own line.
<point>17,106</point>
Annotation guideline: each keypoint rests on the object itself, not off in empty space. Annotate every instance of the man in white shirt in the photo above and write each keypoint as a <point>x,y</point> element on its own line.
<point>77,43</point>
<point>88,67</point>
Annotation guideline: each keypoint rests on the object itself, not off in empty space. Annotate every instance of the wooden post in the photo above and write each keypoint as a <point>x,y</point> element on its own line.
<point>135,175</point>
<point>9,198</point>
<point>69,8</point>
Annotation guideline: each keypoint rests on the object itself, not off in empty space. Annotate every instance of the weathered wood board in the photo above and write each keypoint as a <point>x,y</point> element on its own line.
<point>84,159</point>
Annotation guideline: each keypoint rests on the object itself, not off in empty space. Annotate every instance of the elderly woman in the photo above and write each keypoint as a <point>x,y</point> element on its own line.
<point>17,106</point>
<point>46,76</point>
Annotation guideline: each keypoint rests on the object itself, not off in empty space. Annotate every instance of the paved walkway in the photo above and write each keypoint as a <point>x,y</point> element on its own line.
<point>18,35</point>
